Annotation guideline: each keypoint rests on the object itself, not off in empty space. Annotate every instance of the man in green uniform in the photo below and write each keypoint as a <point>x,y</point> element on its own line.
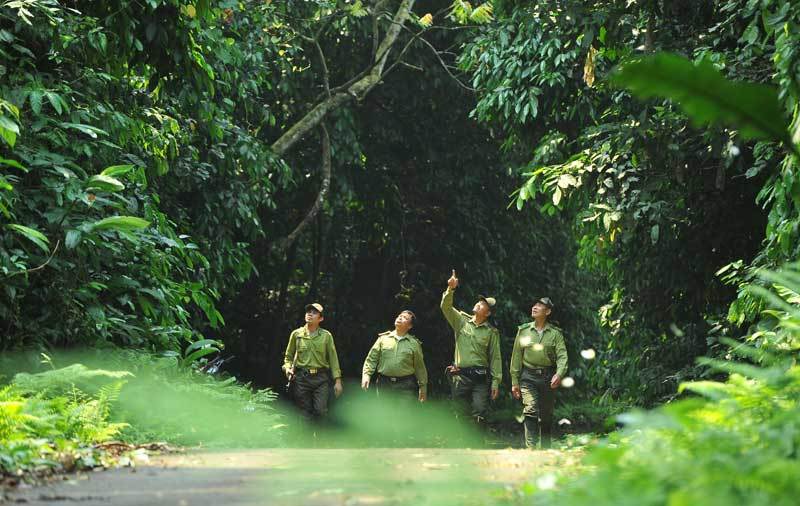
<point>311,362</point>
<point>397,359</point>
<point>477,369</point>
<point>538,363</point>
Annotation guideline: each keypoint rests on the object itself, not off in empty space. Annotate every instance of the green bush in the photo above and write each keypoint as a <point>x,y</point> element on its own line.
<point>55,419</point>
<point>732,442</point>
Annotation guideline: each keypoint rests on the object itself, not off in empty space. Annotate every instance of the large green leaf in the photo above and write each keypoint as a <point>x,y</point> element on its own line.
<point>8,130</point>
<point>32,235</point>
<point>124,223</point>
<point>35,98</point>
<point>706,96</point>
<point>116,170</point>
<point>104,183</point>
<point>12,163</point>
<point>87,129</point>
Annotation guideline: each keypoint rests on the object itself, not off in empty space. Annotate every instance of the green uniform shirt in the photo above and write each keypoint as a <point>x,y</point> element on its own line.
<point>532,350</point>
<point>314,351</point>
<point>476,345</point>
<point>390,356</point>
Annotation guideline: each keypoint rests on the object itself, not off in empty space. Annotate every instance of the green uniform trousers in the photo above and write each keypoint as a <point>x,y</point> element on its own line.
<point>538,400</point>
<point>471,393</point>
<point>312,392</point>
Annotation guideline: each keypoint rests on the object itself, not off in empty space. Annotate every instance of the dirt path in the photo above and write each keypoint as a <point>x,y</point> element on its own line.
<point>307,477</point>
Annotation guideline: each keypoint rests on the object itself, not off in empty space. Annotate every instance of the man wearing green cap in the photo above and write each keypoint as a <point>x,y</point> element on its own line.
<point>311,362</point>
<point>538,363</point>
<point>396,360</point>
<point>476,370</point>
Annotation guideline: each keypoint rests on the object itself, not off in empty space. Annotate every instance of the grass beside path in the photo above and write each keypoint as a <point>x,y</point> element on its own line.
<point>313,477</point>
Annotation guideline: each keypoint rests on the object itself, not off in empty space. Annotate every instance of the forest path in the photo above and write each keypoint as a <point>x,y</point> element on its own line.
<point>375,476</point>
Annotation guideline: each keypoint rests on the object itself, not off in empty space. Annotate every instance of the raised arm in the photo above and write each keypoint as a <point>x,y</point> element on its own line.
<point>452,316</point>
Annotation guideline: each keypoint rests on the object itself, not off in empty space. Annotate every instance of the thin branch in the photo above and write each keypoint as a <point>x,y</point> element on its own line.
<point>323,191</point>
<point>27,271</point>
<point>445,66</point>
<point>325,74</point>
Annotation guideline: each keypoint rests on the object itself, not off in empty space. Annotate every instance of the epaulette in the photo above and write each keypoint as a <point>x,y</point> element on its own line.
<point>462,313</point>
<point>414,338</point>
<point>555,327</point>
<point>385,333</point>
<point>524,325</point>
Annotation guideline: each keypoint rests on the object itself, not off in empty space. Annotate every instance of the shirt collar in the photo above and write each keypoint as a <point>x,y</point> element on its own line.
<point>472,321</point>
<point>306,333</point>
<point>399,338</point>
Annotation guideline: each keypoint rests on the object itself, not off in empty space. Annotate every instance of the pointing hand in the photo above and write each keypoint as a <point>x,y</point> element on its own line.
<point>452,283</point>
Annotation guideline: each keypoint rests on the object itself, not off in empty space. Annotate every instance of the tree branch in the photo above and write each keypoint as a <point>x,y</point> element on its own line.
<point>28,271</point>
<point>357,90</point>
<point>323,190</point>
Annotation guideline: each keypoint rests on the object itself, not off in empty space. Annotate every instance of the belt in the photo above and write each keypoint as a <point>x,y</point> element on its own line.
<point>473,370</point>
<point>538,370</point>
<point>397,379</point>
<point>312,370</point>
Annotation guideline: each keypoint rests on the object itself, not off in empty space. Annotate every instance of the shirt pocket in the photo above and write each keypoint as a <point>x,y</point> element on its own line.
<point>406,355</point>
<point>481,339</point>
<point>526,340</point>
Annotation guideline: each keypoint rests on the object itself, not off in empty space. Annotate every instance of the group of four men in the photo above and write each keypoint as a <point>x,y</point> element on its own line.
<point>395,362</point>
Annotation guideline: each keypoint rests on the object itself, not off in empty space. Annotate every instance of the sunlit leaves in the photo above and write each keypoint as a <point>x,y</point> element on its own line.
<point>464,12</point>
<point>426,20</point>
<point>116,170</point>
<point>589,67</point>
<point>9,117</point>
<point>104,183</point>
<point>357,9</point>
<point>121,223</point>
<point>89,130</point>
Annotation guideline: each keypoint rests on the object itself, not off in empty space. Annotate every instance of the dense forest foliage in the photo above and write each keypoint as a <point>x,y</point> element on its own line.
<point>180,178</point>
<point>173,172</point>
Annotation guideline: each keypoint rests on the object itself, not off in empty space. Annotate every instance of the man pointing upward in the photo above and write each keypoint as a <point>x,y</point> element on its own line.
<point>477,369</point>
